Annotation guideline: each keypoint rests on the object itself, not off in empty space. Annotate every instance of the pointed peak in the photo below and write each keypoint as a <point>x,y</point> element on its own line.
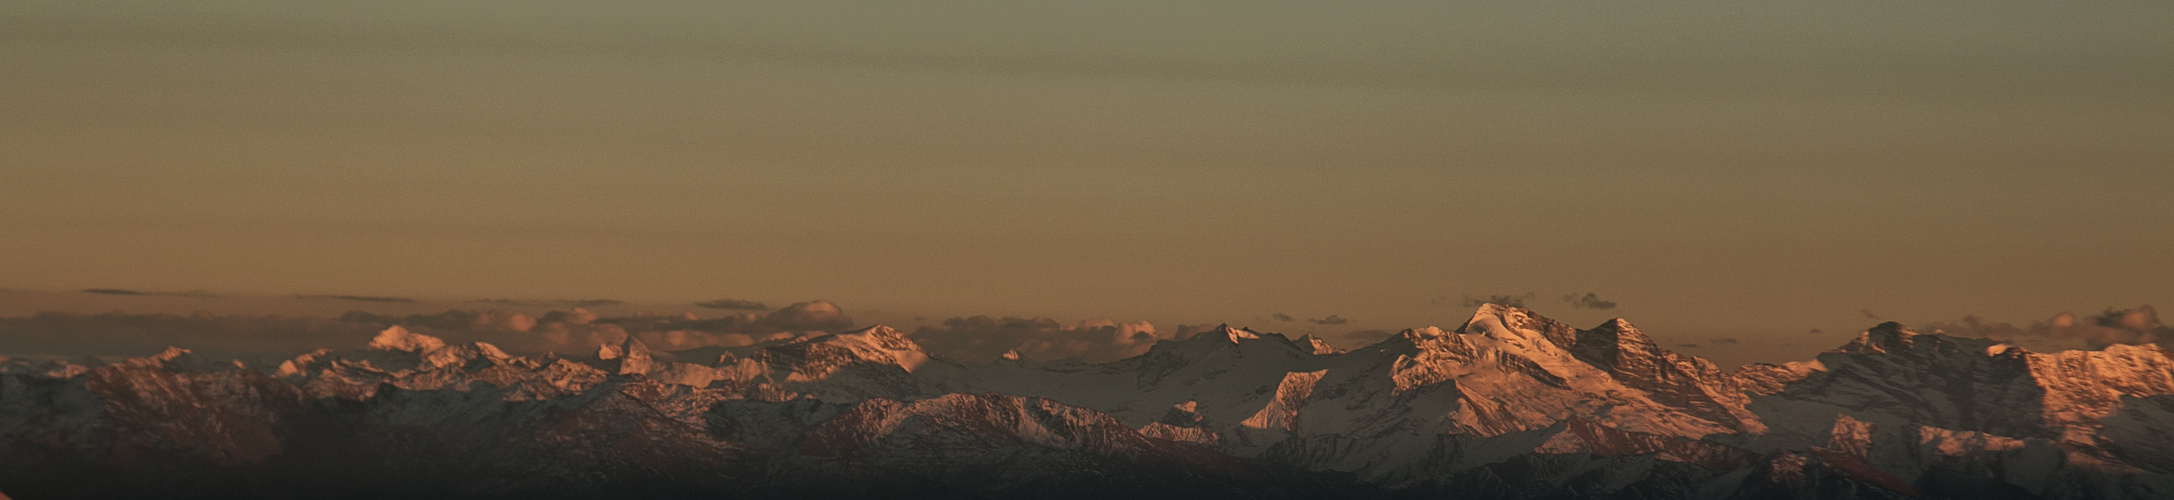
<point>1883,338</point>
<point>1010,355</point>
<point>1491,316</point>
<point>1616,331</point>
<point>1226,333</point>
<point>883,337</point>
<point>1891,333</point>
<point>1893,328</point>
<point>1236,334</point>
<point>1414,338</point>
<point>490,351</point>
<point>608,352</point>
<point>634,357</point>
<point>1316,345</point>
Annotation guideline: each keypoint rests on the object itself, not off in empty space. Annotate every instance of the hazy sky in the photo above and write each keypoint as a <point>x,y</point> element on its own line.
<point>1748,168</point>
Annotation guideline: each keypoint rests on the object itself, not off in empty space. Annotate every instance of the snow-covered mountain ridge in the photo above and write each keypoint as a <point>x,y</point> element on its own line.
<point>1507,405</point>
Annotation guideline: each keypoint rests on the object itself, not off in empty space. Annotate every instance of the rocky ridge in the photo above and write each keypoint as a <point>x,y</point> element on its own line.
<point>1507,405</point>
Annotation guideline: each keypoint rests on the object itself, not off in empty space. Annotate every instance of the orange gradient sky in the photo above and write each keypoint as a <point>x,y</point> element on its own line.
<point>1750,170</point>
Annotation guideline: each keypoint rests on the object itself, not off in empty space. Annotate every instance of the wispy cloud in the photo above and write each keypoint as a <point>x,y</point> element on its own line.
<point>358,298</point>
<point>2139,325</point>
<point>733,304</point>
<point>554,303</point>
<point>119,334</point>
<point>1499,299</point>
<point>112,291</point>
<point>120,291</point>
<point>1588,301</point>
<point>1331,320</point>
<point>980,338</point>
<point>574,330</point>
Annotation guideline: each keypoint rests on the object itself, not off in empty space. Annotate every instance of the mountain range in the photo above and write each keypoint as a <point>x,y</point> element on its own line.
<point>1507,405</point>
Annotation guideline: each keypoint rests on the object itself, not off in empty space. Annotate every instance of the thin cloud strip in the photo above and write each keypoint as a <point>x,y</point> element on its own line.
<point>1651,73</point>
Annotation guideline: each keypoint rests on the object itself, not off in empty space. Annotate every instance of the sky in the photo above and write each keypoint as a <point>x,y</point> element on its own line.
<point>1752,171</point>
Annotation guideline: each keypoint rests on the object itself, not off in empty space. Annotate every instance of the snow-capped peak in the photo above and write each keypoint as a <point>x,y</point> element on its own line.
<point>171,353</point>
<point>888,338</point>
<point>395,338</point>
<point>1498,321</point>
<point>1507,390</point>
<point>878,343</point>
<point>1421,333</point>
<point>634,357</point>
<point>184,360</point>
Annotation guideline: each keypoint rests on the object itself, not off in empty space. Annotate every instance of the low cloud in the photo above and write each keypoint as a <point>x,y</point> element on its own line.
<point>568,332</point>
<point>119,291</point>
<point>1721,341</point>
<point>1588,301</point>
<point>1281,317</point>
<point>457,319</point>
<point>733,304</point>
<point>554,303</point>
<point>685,331</point>
<point>2138,325</point>
<point>1868,314</point>
<point>112,291</point>
<point>358,298</point>
<point>1689,346</point>
<point>1331,320</point>
<point>1816,331</point>
<point>579,330</point>
<point>1188,331</point>
<point>1506,300</point>
<point>119,334</point>
<point>982,338</point>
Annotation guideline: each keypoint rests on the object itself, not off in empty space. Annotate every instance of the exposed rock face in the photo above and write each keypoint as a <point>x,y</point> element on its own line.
<point>1318,346</point>
<point>1507,405</point>
<point>2082,387</point>
<point>1282,410</point>
<point>1675,380</point>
